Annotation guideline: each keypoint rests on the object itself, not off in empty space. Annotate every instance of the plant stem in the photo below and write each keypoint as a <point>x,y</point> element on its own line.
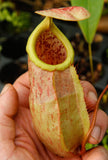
<point>83,150</point>
<point>91,60</point>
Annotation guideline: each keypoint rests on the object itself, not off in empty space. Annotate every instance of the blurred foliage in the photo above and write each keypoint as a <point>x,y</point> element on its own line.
<point>105,10</point>
<point>17,21</point>
<point>7,4</point>
<point>90,146</point>
<point>105,96</point>
<point>105,140</point>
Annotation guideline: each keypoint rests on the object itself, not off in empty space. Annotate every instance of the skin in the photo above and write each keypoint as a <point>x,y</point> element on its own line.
<point>17,137</point>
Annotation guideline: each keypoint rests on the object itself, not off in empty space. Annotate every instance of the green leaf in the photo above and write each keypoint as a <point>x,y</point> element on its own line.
<point>89,26</point>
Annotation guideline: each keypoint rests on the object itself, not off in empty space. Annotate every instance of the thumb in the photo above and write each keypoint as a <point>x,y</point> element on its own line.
<point>8,101</point>
<point>8,109</point>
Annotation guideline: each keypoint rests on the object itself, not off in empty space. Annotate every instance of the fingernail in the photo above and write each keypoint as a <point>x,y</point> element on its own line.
<point>95,135</point>
<point>5,89</point>
<point>92,96</point>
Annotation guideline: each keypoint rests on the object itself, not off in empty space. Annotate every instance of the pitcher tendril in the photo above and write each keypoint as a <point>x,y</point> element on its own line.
<point>93,121</point>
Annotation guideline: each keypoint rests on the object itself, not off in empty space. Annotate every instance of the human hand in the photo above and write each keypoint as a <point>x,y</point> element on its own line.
<point>18,140</point>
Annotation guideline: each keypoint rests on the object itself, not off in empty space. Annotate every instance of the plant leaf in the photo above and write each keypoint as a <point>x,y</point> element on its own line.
<point>66,13</point>
<point>89,26</point>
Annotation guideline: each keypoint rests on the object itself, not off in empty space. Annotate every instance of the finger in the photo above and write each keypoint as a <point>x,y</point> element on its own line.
<point>98,153</point>
<point>22,87</point>
<point>8,109</point>
<point>101,125</point>
<point>90,95</point>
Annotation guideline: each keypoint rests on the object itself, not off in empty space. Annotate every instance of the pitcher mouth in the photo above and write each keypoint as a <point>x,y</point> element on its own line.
<point>48,48</point>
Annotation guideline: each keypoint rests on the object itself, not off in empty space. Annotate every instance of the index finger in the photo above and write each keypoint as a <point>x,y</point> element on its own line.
<point>90,95</point>
<point>22,87</point>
